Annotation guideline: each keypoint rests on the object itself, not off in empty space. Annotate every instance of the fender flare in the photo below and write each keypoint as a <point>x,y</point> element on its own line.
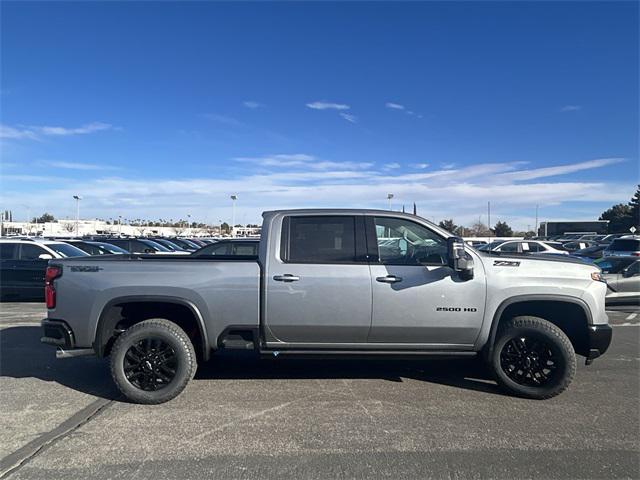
<point>530,298</point>
<point>104,323</point>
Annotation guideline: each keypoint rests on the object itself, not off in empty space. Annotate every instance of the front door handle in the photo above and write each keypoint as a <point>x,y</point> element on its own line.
<point>389,279</point>
<point>287,277</point>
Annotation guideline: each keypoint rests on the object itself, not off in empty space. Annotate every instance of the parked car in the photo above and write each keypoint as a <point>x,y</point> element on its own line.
<point>525,246</point>
<point>590,253</point>
<point>172,246</point>
<point>611,237</point>
<point>185,244</point>
<point>574,245</point>
<point>592,238</point>
<point>23,264</point>
<point>237,246</point>
<point>623,276</point>
<point>141,246</point>
<point>624,246</point>
<point>323,286</point>
<point>97,248</point>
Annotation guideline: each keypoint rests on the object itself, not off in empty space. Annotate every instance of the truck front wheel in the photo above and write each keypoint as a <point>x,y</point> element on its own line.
<point>533,358</point>
<point>152,361</point>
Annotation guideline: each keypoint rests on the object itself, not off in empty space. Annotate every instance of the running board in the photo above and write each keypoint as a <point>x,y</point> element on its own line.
<point>364,354</point>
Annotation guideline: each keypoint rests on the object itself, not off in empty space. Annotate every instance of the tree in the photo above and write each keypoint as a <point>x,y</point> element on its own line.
<point>448,225</point>
<point>224,227</point>
<point>620,218</point>
<point>479,229</point>
<point>44,218</point>
<point>503,230</point>
<point>69,227</point>
<point>635,208</point>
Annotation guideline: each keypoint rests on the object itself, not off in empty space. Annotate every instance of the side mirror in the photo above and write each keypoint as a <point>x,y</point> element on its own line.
<point>459,260</point>
<point>628,273</point>
<point>149,250</point>
<point>45,256</point>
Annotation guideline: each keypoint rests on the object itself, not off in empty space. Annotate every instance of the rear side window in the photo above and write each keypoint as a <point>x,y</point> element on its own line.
<point>8,251</point>
<point>625,245</point>
<point>31,252</point>
<point>321,239</point>
<point>510,247</point>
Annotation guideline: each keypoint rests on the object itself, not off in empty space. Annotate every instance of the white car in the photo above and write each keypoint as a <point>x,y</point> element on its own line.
<point>526,246</point>
<point>38,249</point>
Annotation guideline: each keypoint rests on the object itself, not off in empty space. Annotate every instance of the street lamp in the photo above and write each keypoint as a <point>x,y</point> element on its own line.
<point>389,197</point>
<point>77,199</point>
<point>233,214</point>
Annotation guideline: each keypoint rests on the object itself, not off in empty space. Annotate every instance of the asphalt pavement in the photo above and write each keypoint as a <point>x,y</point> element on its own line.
<point>246,418</point>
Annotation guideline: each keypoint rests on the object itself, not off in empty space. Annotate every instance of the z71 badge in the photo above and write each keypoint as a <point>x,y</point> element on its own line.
<point>505,263</point>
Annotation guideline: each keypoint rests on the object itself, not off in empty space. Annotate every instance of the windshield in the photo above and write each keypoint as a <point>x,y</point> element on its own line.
<point>67,250</point>
<point>156,246</point>
<point>109,247</point>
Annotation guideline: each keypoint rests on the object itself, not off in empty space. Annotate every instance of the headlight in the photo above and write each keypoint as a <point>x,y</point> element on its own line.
<point>597,277</point>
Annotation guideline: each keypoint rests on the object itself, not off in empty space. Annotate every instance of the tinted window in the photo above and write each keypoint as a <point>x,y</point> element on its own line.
<point>67,250</point>
<point>222,248</point>
<point>120,243</point>
<point>509,247</point>
<point>8,250</point>
<point>31,252</point>
<point>111,248</point>
<point>402,242</point>
<point>625,245</point>
<point>322,239</point>
<point>531,247</point>
<point>634,269</point>
<point>613,264</point>
<point>245,248</point>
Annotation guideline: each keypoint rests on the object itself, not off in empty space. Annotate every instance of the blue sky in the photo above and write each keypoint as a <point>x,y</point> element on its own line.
<point>159,110</point>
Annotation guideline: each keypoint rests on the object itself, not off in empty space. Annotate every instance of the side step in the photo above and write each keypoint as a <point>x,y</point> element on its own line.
<point>367,354</point>
<point>237,339</point>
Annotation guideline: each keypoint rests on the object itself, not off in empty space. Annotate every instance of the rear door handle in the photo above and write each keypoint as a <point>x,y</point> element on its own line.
<point>287,277</point>
<point>389,279</point>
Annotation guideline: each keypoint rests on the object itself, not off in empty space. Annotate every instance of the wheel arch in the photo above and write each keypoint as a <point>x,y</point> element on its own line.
<point>178,310</point>
<point>570,314</point>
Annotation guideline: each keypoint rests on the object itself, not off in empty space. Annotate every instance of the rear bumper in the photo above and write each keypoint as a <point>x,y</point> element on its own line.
<point>57,333</point>
<point>599,340</point>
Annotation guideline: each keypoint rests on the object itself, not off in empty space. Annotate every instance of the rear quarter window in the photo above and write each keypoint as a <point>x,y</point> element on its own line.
<point>625,245</point>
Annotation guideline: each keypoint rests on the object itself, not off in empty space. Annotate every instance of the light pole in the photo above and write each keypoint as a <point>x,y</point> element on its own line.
<point>119,225</point>
<point>233,214</point>
<point>189,222</point>
<point>77,198</point>
<point>536,219</point>
<point>389,197</point>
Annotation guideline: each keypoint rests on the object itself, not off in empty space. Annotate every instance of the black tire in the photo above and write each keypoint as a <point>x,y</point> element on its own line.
<point>533,358</point>
<point>152,361</point>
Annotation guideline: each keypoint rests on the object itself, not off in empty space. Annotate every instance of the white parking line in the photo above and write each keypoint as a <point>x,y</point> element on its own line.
<point>632,316</point>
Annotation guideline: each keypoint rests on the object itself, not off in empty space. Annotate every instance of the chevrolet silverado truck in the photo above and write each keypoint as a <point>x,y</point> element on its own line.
<point>330,283</point>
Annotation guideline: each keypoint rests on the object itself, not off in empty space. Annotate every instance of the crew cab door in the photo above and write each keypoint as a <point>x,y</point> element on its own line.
<point>318,283</point>
<point>417,298</point>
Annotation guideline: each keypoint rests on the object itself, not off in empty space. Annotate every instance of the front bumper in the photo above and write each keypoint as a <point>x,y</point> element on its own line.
<point>599,341</point>
<point>57,333</point>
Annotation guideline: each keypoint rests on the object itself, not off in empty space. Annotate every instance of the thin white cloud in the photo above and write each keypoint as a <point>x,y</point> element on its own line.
<point>391,166</point>
<point>301,160</point>
<point>223,119</point>
<point>252,104</point>
<point>394,106</point>
<point>37,132</point>
<point>571,108</point>
<point>328,106</point>
<point>348,117</point>
<point>402,108</point>
<point>560,169</point>
<point>420,166</point>
<point>80,166</point>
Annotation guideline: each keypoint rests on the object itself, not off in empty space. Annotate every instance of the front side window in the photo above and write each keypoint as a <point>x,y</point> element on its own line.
<point>402,242</point>
<point>321,239</point>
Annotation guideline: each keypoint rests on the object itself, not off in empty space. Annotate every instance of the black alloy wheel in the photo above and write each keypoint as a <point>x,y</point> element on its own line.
<point>150,364</point>
<point>529,361</point>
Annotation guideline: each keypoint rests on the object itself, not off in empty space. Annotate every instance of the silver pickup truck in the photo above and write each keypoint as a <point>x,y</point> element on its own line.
<point>330,283</point>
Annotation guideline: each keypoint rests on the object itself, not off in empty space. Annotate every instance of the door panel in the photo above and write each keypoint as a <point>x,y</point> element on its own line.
<point>426,301</point>
<point>318,289</point>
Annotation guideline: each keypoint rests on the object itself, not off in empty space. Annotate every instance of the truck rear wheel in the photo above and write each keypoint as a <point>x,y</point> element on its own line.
<point>533,358</point>
<point>152,361</point>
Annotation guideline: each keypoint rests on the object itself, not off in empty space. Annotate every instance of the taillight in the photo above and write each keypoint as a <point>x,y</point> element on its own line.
<point>51,274</point>
<point>635,254</point>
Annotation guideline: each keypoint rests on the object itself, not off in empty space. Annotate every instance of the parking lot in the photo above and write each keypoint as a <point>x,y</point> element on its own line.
<point>244,418</point>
